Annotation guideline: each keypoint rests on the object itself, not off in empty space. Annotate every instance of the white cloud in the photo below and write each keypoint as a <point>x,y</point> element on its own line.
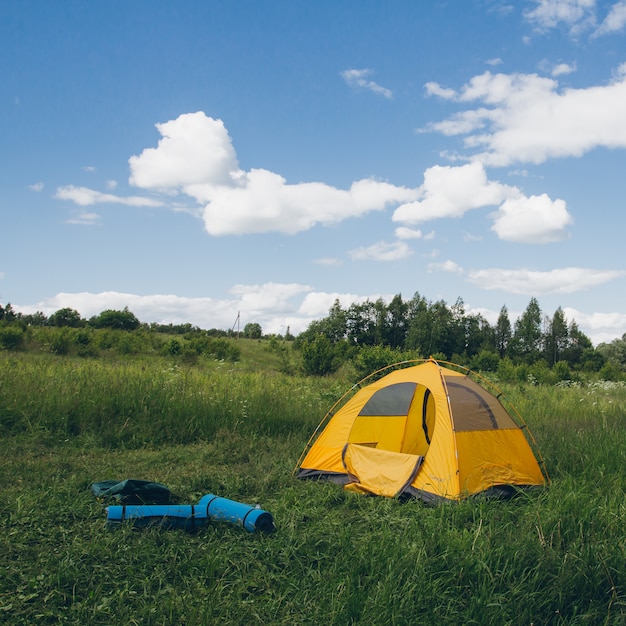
<point>84,196</point>
<point>536,219</point>
<point>196,157</point>
<point>266,203</point>
<point>614,21</point>
<point>435,89</point>
<point>268,305</point>
<point>402,232</point>
<point>575,14</point>
<point>111,184</point>
<point>536,283</point>
<point>193,150</point>
<point>269,296</point>
<point>599,327</point>
<point>450,192</point>
<point>563,69</point>
<point>317,304</point>
<point>89,168</point>
<point>525,118</point>
<point>84,218</point>
<point>358,79</point>
<point>36,187</point>
<point>446,266</point>
<point>382,251</point>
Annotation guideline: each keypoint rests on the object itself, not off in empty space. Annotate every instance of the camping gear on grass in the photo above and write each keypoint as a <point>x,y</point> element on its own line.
<point>426,431</point>
<point>193,516</point>
<point>131,491</point>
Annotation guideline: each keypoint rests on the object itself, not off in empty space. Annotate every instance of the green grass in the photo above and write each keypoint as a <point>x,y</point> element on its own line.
<point>554,557</point>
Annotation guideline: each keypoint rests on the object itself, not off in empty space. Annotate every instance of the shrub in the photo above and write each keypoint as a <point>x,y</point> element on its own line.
<point>372,358</point>
<point>11,338</point>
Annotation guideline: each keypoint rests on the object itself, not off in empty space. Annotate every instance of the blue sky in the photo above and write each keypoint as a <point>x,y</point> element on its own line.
<point>200,160</point>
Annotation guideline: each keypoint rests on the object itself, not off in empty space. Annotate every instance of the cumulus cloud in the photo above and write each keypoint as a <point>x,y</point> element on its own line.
<point>536,219</point>
<point>193,150</point>
<point>84,196</point>
<point>382,251</point>
<point>36,187</point>
<point>526,118</point>
<point>317,304</point>
<point>536,283</point>
<point>599,327</point>
<point>195,156</point>
<point>265,202</point>
<point>274,296</point>
<point>450,191</point>
<point>359,79</point>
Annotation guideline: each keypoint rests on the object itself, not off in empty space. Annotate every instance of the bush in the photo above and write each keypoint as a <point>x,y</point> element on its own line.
<point>318,356</point>
<point>373,358</point>
<point>11,338</point>
<point>486,361</point>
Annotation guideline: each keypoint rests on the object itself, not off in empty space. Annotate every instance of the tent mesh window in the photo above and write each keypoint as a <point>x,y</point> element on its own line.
<point>392,400</point>
<point>473,408</point>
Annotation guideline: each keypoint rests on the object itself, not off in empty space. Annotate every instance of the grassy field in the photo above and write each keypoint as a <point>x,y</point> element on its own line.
<point>554,557</point>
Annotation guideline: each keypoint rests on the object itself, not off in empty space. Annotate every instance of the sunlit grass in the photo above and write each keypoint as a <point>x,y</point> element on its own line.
<point>557,556</point>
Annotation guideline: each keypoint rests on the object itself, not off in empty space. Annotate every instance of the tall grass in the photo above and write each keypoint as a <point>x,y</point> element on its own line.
<point>553,557</point>
<point>133,403</point>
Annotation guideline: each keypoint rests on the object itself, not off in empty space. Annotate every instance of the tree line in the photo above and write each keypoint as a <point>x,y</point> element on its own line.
<point>369,335</point>
<point>422,328</point>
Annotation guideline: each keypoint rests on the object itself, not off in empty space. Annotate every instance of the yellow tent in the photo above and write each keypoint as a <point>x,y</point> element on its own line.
<point>426,431</point>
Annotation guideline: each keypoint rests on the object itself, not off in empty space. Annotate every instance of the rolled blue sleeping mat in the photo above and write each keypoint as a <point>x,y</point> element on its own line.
<point>249,517</point>
<point>192,516</point>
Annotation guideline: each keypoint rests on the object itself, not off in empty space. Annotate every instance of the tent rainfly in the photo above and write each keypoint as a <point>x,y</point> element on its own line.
<point>426,431</point>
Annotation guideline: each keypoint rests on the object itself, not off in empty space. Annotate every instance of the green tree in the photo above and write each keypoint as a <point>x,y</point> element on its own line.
<point>527,334</point>
<point>578,344</point>
<point>419,326</point>
<point>503,332</point>
<point>396,323</point>
<point>116,320</point>
<point>252,330</point>
<point>8,314</point>
<point>556,337</point>
<point>66,317</point>
<point>364,323</point>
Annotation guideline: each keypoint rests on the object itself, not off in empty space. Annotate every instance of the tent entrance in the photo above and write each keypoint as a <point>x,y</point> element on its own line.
<point>396,418</point>
<point>382,472</point>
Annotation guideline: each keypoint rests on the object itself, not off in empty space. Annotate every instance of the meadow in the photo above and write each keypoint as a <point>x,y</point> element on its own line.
<point>557,556</point>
